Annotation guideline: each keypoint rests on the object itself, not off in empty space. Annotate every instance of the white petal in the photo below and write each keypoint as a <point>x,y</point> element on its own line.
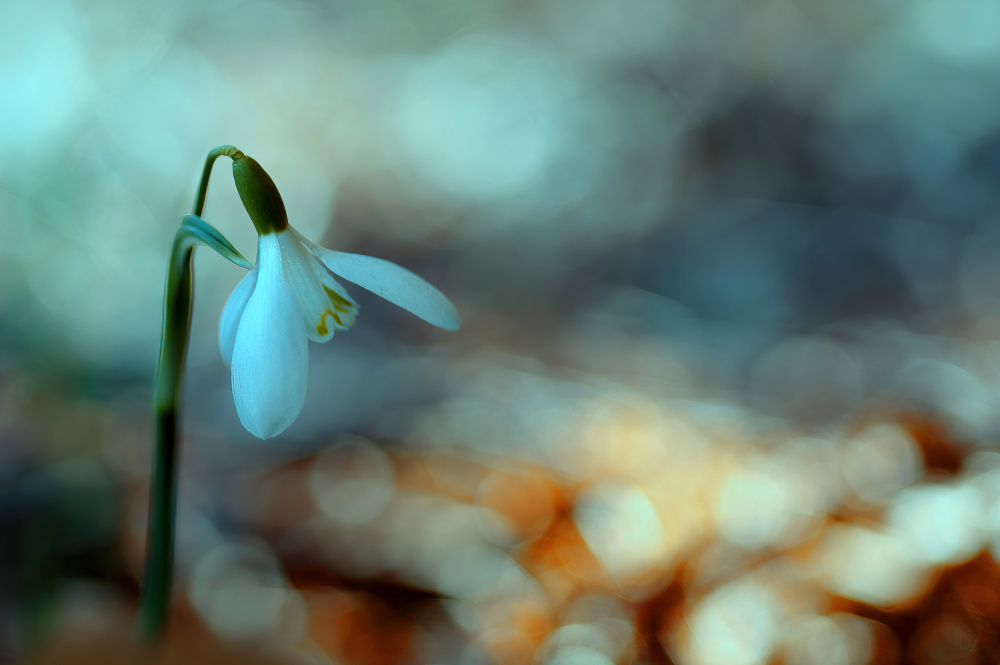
<point>270,355</point>
<point>394,283</point>
<point>324,304</point>
<point>231,313</point>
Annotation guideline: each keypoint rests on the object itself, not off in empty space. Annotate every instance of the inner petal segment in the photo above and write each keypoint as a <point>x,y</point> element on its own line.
<point>325,305</point>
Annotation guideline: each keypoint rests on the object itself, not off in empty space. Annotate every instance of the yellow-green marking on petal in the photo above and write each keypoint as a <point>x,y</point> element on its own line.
<point>339,303</point>
<point>321,326</point>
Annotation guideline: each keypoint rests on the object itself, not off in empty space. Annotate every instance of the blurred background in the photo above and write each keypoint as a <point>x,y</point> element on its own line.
<point>727,386</point>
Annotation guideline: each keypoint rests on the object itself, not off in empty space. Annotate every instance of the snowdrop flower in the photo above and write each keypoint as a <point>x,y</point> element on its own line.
<point>289,297</point>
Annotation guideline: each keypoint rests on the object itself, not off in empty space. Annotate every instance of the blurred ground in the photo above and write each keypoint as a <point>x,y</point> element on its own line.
<point>726,391</point>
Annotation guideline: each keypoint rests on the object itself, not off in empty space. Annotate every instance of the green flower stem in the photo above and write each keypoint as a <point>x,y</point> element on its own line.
<point>166,400</point>
<point>214,153</point>
<point>177,301</point>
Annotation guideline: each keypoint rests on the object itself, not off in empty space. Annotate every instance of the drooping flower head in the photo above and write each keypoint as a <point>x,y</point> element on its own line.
<point>290,297</point>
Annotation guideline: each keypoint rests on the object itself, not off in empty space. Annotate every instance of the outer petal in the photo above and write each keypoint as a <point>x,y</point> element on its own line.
<point>325,305</point>
<point>230,320</point>
<point>394,283</point>
<point>270,354</point>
